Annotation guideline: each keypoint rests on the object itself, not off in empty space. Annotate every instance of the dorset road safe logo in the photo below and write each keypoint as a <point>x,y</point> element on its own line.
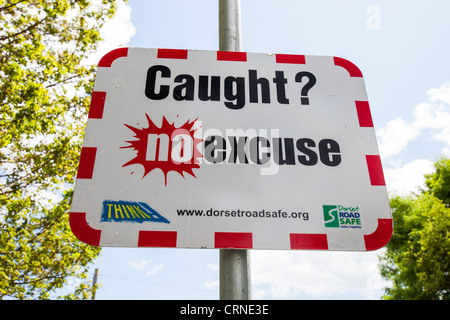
<point>167,148</point>
<point>345,217</point>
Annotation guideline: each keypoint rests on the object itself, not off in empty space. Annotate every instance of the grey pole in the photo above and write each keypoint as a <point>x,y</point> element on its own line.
<point>234,274</point>
<point>229,25</point>
<point>234,263</point>
<point>94,283</point>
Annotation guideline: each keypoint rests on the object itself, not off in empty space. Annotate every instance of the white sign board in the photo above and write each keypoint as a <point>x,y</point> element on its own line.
<point>206,149</point>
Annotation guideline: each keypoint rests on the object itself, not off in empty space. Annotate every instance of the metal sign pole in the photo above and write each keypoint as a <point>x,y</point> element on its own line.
<point>94,283</point>
<point>234,263</point>
<point>229,25</point>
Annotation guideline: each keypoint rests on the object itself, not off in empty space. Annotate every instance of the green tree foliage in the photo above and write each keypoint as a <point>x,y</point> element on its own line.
<point>417,259</point>
<point>45,87</point>
<point>438,182</point>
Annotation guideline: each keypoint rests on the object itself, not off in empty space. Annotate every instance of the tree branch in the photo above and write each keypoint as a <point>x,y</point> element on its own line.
<point>11,5</point>
<point>34,25</point>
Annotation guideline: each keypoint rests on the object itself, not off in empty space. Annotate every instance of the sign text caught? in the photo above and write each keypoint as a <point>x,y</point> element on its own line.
<point>234,88</point>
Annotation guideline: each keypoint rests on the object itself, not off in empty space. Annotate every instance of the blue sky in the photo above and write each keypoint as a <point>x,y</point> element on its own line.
<point>401,48</point>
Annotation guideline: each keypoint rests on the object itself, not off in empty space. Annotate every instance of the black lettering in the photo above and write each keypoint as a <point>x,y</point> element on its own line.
<point>238,150</point>
<point>311,82</point>
<point>255,153</point>
<point>254,82</point>
<point>204,93</point>
<point>283,155</point>
<point>215,149</point>
<point>238,96</point>
<point>329,152</point>
<point>187,87</point>
<point>280,82</point>
<point>150,84</point>
<point>309,157</point>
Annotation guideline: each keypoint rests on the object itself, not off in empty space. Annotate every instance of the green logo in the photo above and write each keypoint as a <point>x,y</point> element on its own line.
<point>330,216</point>
<point>344,217</point>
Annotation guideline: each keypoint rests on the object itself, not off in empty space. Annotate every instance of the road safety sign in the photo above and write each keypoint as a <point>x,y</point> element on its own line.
<point>213,149</point>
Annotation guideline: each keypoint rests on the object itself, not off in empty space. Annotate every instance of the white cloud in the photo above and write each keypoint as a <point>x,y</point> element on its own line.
<point>144,265</point>
<point>407,178</point>
<point>116,32</point>
<point>119,30</point>
<point>395,135</point>
<point>430,120</point>
<point>440,94</point>
<point>259,294</point>
<point>211,285</point>
<point>213,267</point>
<point>154,270</point>
<point>138,265</point>
<point>290,274</point>
<point>431,117</point>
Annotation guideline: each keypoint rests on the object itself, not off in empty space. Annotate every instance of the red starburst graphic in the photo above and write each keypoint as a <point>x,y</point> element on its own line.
<point>167,148</point>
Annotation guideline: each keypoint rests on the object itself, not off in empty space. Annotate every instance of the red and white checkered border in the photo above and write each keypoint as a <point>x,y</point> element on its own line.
<point>168,239</point>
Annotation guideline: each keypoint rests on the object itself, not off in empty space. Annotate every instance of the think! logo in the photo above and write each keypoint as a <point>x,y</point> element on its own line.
<point>337,216</point>
<point>128,211</point>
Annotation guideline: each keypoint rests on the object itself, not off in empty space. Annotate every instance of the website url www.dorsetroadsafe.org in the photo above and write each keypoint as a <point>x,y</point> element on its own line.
<point>239,213</point>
